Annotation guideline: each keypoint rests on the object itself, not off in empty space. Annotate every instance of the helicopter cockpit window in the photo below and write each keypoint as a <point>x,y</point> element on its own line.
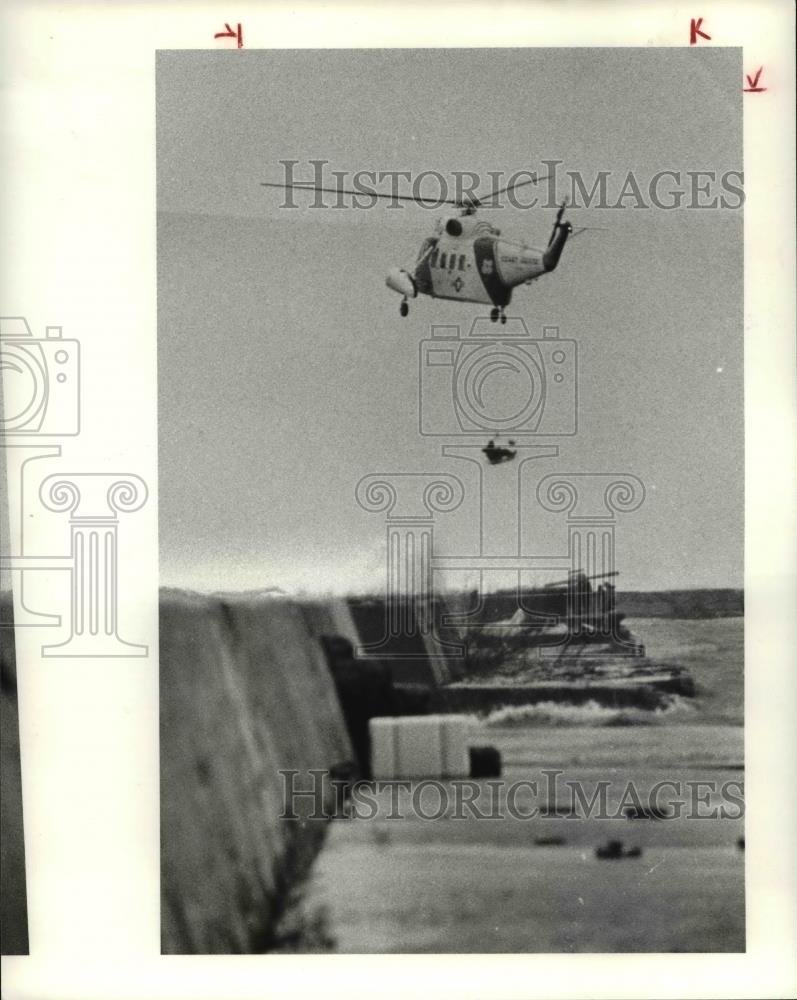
<point>462,262</point>
<point>442,260</point>
<point>433,259</point>
<point>426,247</point>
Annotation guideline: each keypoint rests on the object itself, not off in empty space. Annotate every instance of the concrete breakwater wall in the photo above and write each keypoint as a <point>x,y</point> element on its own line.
<point>251,685</point>
<point>417,650</point>
<point>13,899</point>
<point>245,691</point>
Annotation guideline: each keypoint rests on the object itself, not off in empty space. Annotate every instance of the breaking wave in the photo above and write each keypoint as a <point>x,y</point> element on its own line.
<point>550,713</point>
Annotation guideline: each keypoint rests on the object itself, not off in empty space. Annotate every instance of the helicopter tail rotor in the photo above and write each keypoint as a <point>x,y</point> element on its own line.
<point>558,221</point>
<point>556,244</point>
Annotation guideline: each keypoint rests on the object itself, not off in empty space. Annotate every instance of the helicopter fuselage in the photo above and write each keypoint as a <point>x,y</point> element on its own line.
<point>467,259</point>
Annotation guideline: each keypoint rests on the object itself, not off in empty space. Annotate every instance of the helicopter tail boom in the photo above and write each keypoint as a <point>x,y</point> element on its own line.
<point>556,244</point>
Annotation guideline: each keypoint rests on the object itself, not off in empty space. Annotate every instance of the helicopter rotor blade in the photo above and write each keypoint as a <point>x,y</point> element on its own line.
<point>588,229</point>
<point>511,187</point>
<point>362,194</point>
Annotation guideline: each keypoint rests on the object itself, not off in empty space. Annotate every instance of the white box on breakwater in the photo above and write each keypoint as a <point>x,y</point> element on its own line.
<point>420,746</point>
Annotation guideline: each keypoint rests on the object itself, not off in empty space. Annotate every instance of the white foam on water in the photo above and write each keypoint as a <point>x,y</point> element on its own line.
<point>550,713</point>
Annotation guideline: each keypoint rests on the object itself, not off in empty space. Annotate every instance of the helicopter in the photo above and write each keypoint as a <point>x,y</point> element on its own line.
<point>467,259</point>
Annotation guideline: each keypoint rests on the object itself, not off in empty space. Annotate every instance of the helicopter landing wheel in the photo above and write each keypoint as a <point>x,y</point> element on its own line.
<point>503,317</point>
<point>404,308</point>
<point>494,313</point>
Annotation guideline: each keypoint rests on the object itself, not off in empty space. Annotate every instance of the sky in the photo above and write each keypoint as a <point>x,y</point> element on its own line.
<point>286,373</point>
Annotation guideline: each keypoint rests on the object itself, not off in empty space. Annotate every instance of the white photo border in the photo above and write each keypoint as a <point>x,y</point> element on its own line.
<point>78,203</point>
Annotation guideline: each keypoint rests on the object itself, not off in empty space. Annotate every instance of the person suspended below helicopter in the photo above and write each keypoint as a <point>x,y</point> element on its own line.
<point>496,453</point>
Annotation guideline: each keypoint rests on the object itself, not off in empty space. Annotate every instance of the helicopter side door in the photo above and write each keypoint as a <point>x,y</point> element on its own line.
<point>454,274</point>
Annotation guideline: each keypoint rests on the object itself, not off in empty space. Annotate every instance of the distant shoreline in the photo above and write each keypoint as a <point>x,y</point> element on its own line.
<point>721,602</point>
<point>724,603</point>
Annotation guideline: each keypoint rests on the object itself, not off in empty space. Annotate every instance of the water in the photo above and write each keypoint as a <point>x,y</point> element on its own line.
<point>713,651</point>
<point>485,885</point>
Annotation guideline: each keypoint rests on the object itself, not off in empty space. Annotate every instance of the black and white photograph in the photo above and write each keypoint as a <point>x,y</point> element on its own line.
<point>397,469</point>
<point>451,501</point>
<point>13,896</point>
